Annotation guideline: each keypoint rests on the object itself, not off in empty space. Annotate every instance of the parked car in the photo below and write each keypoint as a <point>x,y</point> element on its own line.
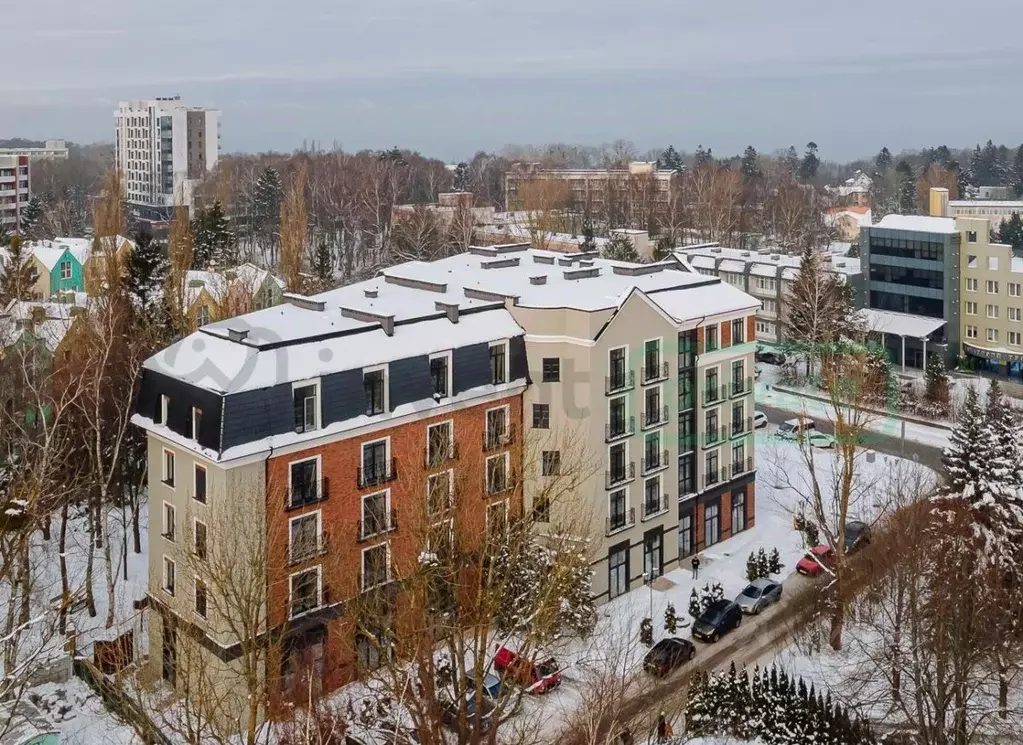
<point>810,565</point>
<point>491,684</point>
<point>473,703</point>
<point>821,440</point>
<point>759,420</point>
<point>857,535</point>
<point>667,655</point>
<point>771,358</point>
<point>793,429</point>
<point>758,594</point>
<point>535,677</point>
<point>720,617</point>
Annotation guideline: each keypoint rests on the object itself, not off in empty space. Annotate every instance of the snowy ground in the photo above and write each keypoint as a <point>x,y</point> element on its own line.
<point>78,715</point>
<point>780,487</point>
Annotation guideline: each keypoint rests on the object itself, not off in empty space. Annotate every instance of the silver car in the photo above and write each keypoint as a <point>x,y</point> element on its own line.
<point>759,594</point>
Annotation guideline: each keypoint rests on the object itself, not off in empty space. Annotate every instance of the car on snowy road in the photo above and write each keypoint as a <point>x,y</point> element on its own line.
<point>821,440</point>
<point>759,420</point>
<point>720,617</point>
<point>667,655</point>
<point>759,594</point>
<point>535,677</point>
<point>857,535</point>
<point>818,557</point>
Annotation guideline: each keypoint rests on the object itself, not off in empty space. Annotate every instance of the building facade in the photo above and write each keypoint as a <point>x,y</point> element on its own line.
<point>994,210</point>
<point>912,268</point>
<point>162,149</point>
<point>768,277</point>
<point>15,189</point>
<point>51,150</point>
<point>591,190</point>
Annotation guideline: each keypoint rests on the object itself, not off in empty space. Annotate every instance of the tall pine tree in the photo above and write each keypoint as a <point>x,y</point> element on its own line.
<point>671,160</point>
<point>31,218</point>
<point>1011,232</point>
<point>905,186</point>
<point>810,164</point>
<point>147,270</point>
<point>214,240</point>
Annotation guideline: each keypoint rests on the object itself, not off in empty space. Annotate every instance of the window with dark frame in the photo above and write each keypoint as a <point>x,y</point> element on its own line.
<point>498,360</point>
<point>712,468</point>
<point>551,462</point>
<point>196,424</point>
<point>738,457</point>
<point>616,408</point>
<point>439,376</point>
<point>374,566</point>
<point>439,443</point>
<point>738,511</point>
<point>616,363</point>
<point>305,591</point>
<point>651,359</point>
<point>551,369</point>
<point>710,338</point>
<point>199,541</point>
<point>169,519</point>
<point>652,495</point>
<point>200,598</point>
<point>497,474</point>
<point>375,518</point>
<point>305,537</point>
<point>305,408</point>
<point>497,427</point>
<point>652,405</point>
<point>168,468</point>
<point>200,484</point>
<point>617,510</point>
<point>541,416</point>
<point>169,571</point>
<point>373,382</point>
<point>375,468</point>
<point>438,492</point>
<point>738,331</point>
<point>305,485</point>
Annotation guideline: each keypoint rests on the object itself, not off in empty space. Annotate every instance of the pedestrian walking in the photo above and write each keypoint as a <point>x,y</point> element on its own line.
<point>696,567</point>
<point>662,728</point>
<point>626,736</point>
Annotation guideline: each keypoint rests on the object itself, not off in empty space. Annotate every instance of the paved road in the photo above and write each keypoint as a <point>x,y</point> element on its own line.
<point>927,454</point>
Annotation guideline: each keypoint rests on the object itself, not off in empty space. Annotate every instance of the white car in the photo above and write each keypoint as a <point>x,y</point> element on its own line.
<point>793,429</point>
<point>759,420</point>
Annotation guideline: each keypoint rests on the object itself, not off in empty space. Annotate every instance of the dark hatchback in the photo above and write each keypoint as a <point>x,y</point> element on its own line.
<point>720,617</point>
<point>667,655</point>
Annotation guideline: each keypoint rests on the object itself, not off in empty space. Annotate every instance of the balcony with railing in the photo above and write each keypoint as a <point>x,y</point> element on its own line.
<point>621,521</point>
<point>377,525</point>
<point>715,436</point>
<point>714,393</point>
<point>616,476</point>
<point>619,428</point>
<point>495,439</point>
<point>376,473</point>
<point>655,373</point>
<point>741,427</point>
<point>710,478</point>
<point>741,386</point>
<point>742,466</point>
<point>438,454</point>
<point>654,461</point>
<point>619,382</point>
<point>686,444</point>
<point>311,492</point>
<point>655,417</point>
<point>657,505</point>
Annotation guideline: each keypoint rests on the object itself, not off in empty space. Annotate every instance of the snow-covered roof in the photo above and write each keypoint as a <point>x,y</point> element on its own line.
<point>522,232</point>
<point>862,218</point>
<point>764,263</point>
<point>54,320</point>
<point>919,224</point>
<point>217,284</point>
<point>708,300</point>
<point>731,265</point>
<point>209,359</point>
<point>900,324</point>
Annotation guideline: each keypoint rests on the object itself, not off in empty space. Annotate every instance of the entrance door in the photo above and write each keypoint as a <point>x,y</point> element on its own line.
<point>618,570</point>
<point>686,541</point>
<point>169,657</point>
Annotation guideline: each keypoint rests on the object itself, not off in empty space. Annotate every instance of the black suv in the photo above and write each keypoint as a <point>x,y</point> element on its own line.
<point>720,617</point>
<point>668,654</point>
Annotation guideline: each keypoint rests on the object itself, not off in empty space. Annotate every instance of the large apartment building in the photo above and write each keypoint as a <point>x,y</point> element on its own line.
<point>350,413</point>
<point>15,190</point>
<point>590,190</point>
<point>51,150</point>
<point>163,148</point>
<point>768,276</point>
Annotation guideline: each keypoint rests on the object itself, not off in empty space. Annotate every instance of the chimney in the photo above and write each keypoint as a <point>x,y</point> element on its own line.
<point>538,280</point>
<point>370,293</point>
<point>303,302</point>
<point>939,202</point>
<point>450,308</point>
<point>237,334</point>
<point>386,322</point>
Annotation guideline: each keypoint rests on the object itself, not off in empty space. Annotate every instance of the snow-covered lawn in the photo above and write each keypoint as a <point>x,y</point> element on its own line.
<point>79,716</point>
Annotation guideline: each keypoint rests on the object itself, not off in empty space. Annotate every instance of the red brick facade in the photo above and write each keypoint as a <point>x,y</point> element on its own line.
<point>341,513</point>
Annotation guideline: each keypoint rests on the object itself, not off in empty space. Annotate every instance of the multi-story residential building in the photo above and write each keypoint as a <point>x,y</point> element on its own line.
<point>313,438</point>
<point>349,413</point>
<point>994,210</point>
<point>591,190</point>
<point>51,150</point>
<point>855,191</point>
<point>163,148</point>
<point>650,367</point>
<point>15,190</point>
<point>768,277</point>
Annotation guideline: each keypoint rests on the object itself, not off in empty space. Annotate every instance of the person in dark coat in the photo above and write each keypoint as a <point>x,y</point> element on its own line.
<point>626,736</point>
<point>696,567</point>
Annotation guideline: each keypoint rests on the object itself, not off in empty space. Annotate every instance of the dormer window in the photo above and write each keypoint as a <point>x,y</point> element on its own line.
<point>375,384</point>
<point>162,408</point>
<point>202,316</point>
<point>440,375</point>
<point>498,363</point>
<point>307,408</point>
<point>196,422</point>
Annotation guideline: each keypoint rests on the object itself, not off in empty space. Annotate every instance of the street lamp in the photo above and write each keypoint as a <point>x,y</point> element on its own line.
<point>648,580</point>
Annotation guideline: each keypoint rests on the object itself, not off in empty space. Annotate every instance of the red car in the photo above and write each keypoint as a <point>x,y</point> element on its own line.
<point>811,565</point>
<point>537,678</point>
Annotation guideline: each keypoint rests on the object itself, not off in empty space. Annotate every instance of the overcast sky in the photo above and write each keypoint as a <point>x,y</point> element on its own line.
<point>449,77</point>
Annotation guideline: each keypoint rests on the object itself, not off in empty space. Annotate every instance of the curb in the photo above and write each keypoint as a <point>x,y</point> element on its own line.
<point>904,417</point>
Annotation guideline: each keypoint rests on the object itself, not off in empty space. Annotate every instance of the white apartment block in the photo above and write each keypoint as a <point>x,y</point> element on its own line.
<point>14,189</point>
<point>163,149</point>
<point>768,276</point>
<point>994,210</point>
<point>51,150</point>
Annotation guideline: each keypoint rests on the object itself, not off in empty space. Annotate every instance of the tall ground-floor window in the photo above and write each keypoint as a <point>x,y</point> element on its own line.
<point>618,570</point>
<point>711,524</point>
